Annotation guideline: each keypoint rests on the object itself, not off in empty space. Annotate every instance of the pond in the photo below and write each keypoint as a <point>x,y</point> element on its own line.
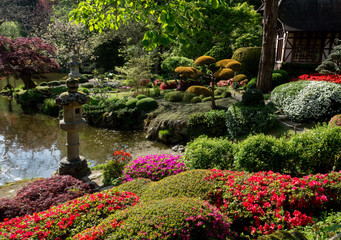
<point>32,145</point>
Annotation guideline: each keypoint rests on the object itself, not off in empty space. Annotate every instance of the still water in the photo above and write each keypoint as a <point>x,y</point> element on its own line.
<point>32,145</point>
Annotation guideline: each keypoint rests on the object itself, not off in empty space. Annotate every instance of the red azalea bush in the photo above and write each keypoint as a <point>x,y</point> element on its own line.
<point>168,85</point>
<point>157,82</point>
<point>319,77</point>
<point>42,194</point>
<point>263,202</point>
<point>68,219</point>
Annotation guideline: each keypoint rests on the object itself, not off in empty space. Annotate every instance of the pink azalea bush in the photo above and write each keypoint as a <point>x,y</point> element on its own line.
<point>319,77</point>
<point>153,167</point>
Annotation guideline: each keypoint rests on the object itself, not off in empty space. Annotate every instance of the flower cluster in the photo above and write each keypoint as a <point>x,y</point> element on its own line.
<point>122,156</point>
<point>263,202</point>
<point>67,219</point>
<point>335,121</point>
<point>223,83</point>
<point>168,85</point>
<point>319,77</point>
<point>154,167</point>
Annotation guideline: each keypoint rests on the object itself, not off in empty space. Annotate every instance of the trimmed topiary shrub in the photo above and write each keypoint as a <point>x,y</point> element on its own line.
<point>188,97</point>
<point>174,218</point>
<point>175,96</point>
<point>196,100</point>
<point>249,58</point>
<point>244,120</point>
<point>252,97</point>
<point>317,150</point>
<point>335,121</point>
<point>279,77</point>
<point>87,85</point>
<point>147,104</point>
<point>141,96</point>
<point>212,124</point>
<point>154,167</point>
<point>239,78</point>
<point>190,184</point>
<point>308,100</point>
<point>137,186</point>
<point>261,153</point>
<point>204,153</point>
<point>41,194</point>
<point>131,103</point>
<point>199,90</point>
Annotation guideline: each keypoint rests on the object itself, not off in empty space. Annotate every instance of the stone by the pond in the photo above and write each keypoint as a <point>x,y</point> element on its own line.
<point>77,168</point>
<point>179,148</point>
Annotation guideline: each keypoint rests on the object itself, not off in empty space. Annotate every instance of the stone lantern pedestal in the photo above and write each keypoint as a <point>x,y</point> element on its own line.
<point>72,123</point>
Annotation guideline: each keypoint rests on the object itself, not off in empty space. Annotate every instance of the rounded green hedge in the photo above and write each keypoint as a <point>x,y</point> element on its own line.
<point>175,96</point>
<point>253,97</point>
<point>131,103</point>
<point>137,186</point>
<point>147,104</point>
<point>249,58</point>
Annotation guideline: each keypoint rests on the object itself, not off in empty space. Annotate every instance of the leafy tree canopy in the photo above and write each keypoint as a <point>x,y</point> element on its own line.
<point>173,16</point>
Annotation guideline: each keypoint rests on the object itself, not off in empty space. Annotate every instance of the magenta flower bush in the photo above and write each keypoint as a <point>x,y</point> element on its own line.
<point>153,167</point>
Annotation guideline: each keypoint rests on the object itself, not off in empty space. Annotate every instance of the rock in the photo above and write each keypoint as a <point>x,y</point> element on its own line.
<point>179,148</point>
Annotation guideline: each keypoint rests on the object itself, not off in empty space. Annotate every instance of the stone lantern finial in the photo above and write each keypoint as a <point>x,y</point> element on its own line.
<point>72,123</point>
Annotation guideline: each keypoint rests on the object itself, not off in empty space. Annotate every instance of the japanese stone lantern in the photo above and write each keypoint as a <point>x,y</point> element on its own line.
<point>72,123</point>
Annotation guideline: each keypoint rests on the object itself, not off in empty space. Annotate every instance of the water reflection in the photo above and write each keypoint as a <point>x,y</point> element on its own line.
<point>32,145</point>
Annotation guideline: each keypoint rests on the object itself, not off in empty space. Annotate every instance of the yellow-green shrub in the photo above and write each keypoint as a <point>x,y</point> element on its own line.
<point>199,90</point>
<point>249,58</point>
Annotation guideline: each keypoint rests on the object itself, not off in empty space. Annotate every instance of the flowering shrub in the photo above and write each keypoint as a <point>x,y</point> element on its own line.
<point>144,82</point>
<point>171,218</point>
<point>168,85</point>
<point>308,100</point>
<point>335,121</point>
<point>112,170</point>
<point>65,220</point>
<point>154,167</point>
<point>42,194</point>
<point>319,77</point>
<point>263,202</point>
<point>223,83</point>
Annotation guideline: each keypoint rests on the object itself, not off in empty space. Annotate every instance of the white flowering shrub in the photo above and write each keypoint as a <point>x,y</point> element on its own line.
<point>308,100</point>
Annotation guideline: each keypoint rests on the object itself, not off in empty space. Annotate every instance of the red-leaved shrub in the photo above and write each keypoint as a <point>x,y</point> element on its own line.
<point>168,85</point>
<point>42,194</point>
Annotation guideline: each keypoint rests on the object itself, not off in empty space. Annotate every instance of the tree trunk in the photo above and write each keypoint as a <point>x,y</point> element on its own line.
<point>27,79</point>
<point>266,64</point>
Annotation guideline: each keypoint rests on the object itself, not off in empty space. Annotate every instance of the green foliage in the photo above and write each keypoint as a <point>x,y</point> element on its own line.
<point>244,120</point>
<point>175,96</point>
<point>212,124</point>
<point>308,100</point>
<point>53,83</point>
<point>11,30</point>
<point>147,104</point>
<point>174,218</point>
<point>196,100</point>
<point>140,96</point>
<point>164,135</point>
<point>112,170</point>
<point>204,153</point>
<point>84,90</point>
<point>252,97</point>
<point>251,84</point>
<point>169,64</point>
<point>249,58</point>
<point>137,186</point>
<point>186,184</point>
<point>131,103</point>
<point>87,85</point>
<point>283,235</point>
<point>332,65</point>
<point>188,97</point>
<point>30,99</point>
<point>50,107</point>
<point>279,77</point>
<point>199,90</point>
<point>317,150</point>
<point>261,153</point>
<point>43,84</point>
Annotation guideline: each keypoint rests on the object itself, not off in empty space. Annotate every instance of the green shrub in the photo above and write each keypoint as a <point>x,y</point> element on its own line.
<point>114,104</point>
<point>53,83</point>
<point>205,99</point>
<point>188,97</point>
<point>283,235</point>
<point>147,104</point>
<point>317,150</point>
<point>279,77</point>
<point>251,84</point>
<point>175,96</point>
<point>84,90</point>
<point>170,63</point>
<point>244,120</point>
<point>218,91</point>
<point>204,152</point>
<point>249,58</point>
<point>50,107</point>
<point>199,90</point>
<point>261,153</point>
<point>131,103</point>
<point>308,100</point>
<point>54,91</point>
<point>83,78</point>
<point>335,121</point>
<point>164,135</point>
<point>31,98</point>
<point>212,124</point>
<point>87,85</point>
<point>174,218</point>
<point>140,96</point>
<point>196,100</point>
<point>43,84</point>
<point>137,186</point>
<point>186,184</point>
<point>252,97</point>
<point>226,94</point>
